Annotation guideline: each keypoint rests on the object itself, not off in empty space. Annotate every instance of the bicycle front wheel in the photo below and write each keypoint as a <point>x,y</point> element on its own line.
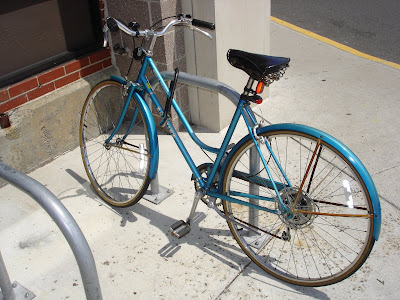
<point>118,167</point>
<point>329,233</point>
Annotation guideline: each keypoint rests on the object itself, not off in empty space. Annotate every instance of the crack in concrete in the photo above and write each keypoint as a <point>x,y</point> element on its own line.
<point>390,202</point>
<point>242,268</point>
<point>387,169</point>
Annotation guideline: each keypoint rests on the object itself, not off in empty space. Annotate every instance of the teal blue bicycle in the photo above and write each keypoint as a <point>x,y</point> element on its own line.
<point>299,203</point>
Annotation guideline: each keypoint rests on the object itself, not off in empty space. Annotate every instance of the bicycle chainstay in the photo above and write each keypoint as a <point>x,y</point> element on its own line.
<point>241,222</point>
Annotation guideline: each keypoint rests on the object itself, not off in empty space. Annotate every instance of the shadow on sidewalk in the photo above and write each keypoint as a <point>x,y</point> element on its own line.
<point>217,243</point>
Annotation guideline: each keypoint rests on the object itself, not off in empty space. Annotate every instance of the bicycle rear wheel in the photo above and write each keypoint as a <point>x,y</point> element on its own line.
<point>330,234</point>
<point>117,169</point>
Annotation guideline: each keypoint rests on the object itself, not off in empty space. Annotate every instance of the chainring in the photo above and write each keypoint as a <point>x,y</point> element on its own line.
<point>204,169</point>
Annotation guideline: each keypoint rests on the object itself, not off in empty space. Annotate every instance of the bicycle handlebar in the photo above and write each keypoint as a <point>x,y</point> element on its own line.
<point>114,25</point>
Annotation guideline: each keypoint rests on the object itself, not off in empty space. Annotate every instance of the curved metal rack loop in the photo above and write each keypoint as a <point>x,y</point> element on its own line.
<point>64,220</point>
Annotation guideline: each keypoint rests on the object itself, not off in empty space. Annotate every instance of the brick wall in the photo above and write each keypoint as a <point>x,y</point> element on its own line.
<point>169,53</point>
<point>46,82</point>
<point>17,94</point>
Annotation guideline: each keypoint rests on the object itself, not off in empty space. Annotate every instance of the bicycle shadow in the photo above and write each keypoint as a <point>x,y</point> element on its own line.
<point>209,240</point>
<point>87,190</point>
<point>205,239</point>
<point>200,237</point>
<point>293,289</point>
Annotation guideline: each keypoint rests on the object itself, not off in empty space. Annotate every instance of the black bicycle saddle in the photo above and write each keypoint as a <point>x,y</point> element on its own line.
<point>256,66</point>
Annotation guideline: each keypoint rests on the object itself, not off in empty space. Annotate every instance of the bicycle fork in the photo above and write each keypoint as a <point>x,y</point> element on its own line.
<point>120,142</point>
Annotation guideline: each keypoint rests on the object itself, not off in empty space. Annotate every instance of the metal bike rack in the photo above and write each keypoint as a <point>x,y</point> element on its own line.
<point>5,284</point>
<point>223,89</point>
<point>157,192</point>
<point>70,229</point>
<point>202,82</point>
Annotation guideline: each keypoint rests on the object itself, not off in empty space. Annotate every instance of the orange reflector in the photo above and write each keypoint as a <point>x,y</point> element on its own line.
<point>260,87</point>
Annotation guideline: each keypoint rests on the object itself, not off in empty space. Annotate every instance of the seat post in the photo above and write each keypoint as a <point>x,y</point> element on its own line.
<point>248,86</point>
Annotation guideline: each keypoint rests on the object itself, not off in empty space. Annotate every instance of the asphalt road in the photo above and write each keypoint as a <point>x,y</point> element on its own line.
<point>370,26</point>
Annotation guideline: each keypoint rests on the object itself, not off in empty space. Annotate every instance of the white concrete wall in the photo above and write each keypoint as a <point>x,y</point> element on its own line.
<point>240,24</point>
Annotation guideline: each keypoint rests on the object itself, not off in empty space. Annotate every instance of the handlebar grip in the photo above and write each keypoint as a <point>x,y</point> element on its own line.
<point>203,24</point>
<point>112,25</point>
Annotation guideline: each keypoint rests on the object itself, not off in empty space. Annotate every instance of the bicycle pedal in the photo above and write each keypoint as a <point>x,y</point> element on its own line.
<point>180,229</point>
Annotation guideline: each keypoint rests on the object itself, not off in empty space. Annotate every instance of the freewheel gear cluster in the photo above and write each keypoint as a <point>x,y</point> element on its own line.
<point>304,203</point>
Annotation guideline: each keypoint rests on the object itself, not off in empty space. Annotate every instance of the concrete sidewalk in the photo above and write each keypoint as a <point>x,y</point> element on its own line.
<point>353,99</point>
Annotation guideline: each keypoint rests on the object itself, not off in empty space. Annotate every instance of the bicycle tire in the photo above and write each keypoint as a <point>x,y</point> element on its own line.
<point>118,170</point>
<point>309,249</point>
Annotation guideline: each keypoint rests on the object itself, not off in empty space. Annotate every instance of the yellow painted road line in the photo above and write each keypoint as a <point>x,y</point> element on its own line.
<point>335,44</point>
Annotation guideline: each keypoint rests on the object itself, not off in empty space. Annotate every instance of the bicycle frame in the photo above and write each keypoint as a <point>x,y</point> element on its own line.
<point>143,86</point>
<point>315,229</point>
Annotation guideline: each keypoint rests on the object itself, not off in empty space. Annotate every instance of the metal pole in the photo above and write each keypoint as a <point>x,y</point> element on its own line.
<point>205,83</point>
<point>61,216</point>
<point>254,189</point>
<point>155,186</point>
<point>5,283</point>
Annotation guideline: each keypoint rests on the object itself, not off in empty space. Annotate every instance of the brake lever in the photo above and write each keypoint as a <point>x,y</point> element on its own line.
<point>201,31</point>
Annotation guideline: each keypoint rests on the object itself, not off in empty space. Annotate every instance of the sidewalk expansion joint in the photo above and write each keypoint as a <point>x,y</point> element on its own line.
<point>387,169</point>
<point>226,288</point>
<point>390,202</point>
